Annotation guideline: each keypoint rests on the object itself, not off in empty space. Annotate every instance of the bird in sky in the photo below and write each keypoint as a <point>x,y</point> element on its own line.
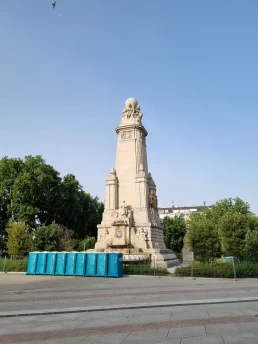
<point>54,4</point>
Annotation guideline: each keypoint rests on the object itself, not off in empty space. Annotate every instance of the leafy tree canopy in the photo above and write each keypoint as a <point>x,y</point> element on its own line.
<point>33,192</point>
<point>174,232</point>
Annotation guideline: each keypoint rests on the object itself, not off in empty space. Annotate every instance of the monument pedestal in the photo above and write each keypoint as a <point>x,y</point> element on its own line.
<point>130,222</point>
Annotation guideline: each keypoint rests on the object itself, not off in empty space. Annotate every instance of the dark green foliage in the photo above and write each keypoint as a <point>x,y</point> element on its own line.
<point>221,229</point>
<point>220,270</point>
<point>89,244</point>
<point>233,228</point>
<point>251,246</point>
<point>54,237</point>
<point>204,239</point>
<point>143,269</point>
<point>7,265</point>
<point>19,241</point>
<point>32,191</point>
<point>174,232</point>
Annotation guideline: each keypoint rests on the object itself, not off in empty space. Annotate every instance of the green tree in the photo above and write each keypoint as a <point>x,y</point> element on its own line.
<point>54,237</point>
<point>10,169</point>
<point>32,191</point>
<point>251,246</point>
<point>88,243</point>
<point>68,240</point>
<point>253,223</point>
<point>36,192</point>
<point>227,205</point>
<point>48,238</point>
<point>19,240</point>
<point>90,215</point>
<point>203,238</point>
<point>79,210</point>
<point>233,228</point>
<point>70,207</point>
<point>174,232</point>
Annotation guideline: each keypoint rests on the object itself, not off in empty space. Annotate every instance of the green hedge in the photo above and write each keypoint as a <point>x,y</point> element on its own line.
<point>220,270</point>
<point>143,269</point>
<point>13,265</point>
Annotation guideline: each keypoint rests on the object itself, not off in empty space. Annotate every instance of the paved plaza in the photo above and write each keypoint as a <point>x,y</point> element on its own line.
<point>135,309</point>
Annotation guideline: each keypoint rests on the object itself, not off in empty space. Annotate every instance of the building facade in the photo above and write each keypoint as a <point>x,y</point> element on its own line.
<point>184,212</point>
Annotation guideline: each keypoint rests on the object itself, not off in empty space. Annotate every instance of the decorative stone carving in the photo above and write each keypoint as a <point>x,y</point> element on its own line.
<point>144,234</point>
<point>141,234</point>
<point>102,236</point>
<point>132,111</point>
<point>153,199</point>
<point>186,241</point>
<point>124,209</point>
<point>126,135</point>
<point>138,233</point>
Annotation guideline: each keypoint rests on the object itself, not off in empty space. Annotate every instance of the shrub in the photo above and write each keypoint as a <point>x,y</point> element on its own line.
<point>19,240</point>
<point>220,270</point>
<point>142,269</point>
<point>89,243</point>
<point>13,265</point>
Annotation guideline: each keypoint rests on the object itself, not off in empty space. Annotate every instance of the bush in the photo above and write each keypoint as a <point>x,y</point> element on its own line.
<point>142,269</point>
<point>220,270</point>
<point>89,243</point>
<point>54,237</point>
<point>8,265</point>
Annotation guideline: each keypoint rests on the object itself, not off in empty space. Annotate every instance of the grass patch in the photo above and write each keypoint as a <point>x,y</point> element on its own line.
<point>8,265</point>
<point>220,270</point>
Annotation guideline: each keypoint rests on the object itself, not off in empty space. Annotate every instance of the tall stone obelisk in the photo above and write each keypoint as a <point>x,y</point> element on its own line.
<point>130,222</point>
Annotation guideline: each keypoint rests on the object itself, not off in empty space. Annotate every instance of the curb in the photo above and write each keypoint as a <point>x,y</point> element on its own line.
<point>125,307</point>
<point>12,272</point>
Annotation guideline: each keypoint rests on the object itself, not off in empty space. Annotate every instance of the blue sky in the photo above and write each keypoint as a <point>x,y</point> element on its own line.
<point>193,66</point>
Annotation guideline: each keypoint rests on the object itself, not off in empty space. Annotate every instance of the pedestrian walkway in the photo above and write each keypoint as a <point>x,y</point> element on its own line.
<point>130,310</point>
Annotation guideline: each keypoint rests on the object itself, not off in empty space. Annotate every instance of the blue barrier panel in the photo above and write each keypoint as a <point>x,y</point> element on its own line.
<point>70,263</point>
<point>80,263</point>
<point>91,264</point>
<point>32,263</point>
<point>41,263</point>
<point>102,264</point>
<point>115,265</point>
<point>51,263</point>
<point>60,263</point>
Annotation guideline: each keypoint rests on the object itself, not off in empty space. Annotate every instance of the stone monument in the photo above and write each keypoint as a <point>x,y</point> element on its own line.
<point>130,222</point>
<point>188,255</point>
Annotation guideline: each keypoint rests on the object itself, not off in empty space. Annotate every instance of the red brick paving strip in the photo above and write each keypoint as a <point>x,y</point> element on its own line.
<point>93,331</point>
<point>161,292</point>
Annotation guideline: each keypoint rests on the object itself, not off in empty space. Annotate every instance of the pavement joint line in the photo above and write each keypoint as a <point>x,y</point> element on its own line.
<point>14,314</point>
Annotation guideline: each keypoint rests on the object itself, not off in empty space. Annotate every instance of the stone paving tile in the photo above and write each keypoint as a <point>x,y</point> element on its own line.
<point>189,315</point>
<point>225,312</point>
<point>135,337</point>
<point>223,328</point>
<point>149,318</point>
<point>209,339</point>
<point>186,332</point>
<point>246,327</point>
<point>103,322</point>
<point>241,338</point>
<point>106,339</point>
<point>157,341</point>
<point>250,311</point>
<point>76,340</point>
